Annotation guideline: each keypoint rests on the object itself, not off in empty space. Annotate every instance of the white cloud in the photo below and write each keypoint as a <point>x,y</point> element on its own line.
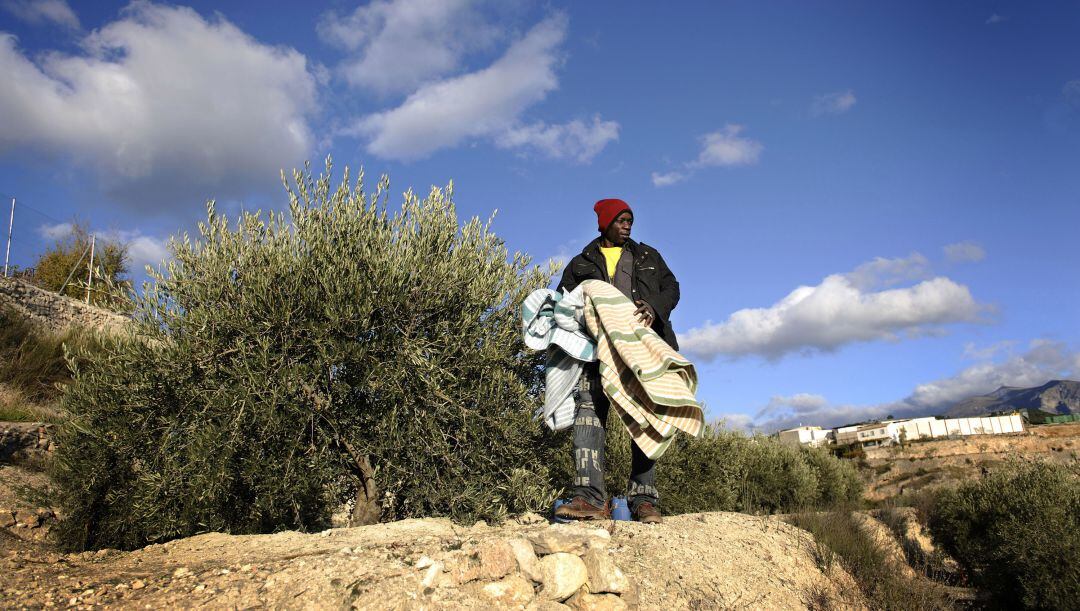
<point>143,250</point>
<point>1044,360</point>
<point>397,45</point>
<point>883,273</point>
<point>59,231</point>
<point>840,310</point>
<point>973,352</point>
<point>994,18</point>
<point>43,11</point>
<point>726,148</point>
<point>834,103</point>
<point>964,252</point>
<point>486,103</point>
<point>667,178</point>
<point>721,148</point>
<point>164,104</point>
<point>574,140</point>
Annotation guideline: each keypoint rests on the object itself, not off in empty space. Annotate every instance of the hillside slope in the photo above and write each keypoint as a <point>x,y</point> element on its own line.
<point>713,560</point>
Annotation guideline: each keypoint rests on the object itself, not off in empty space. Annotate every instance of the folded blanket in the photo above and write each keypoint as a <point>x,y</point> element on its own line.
<point>651,386</point>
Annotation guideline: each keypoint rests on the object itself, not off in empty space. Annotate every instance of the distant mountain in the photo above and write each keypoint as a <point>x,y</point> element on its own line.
<point>1055,397</point>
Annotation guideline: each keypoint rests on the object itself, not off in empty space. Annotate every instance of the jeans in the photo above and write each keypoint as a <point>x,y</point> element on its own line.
<point>590,420</point>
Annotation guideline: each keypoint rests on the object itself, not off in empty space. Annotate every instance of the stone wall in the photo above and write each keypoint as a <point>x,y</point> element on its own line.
<point>53,311</point>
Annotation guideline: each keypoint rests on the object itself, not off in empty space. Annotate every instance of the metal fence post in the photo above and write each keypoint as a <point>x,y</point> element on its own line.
<point>11,223</point>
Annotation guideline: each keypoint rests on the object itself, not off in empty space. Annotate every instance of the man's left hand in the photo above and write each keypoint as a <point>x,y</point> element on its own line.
<point>645,314</point>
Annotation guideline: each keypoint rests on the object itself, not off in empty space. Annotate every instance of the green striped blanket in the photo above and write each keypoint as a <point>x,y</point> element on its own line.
<point>651,386</point>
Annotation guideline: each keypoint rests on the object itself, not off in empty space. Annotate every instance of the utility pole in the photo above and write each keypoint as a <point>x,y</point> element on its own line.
<point>90,280</point>
<point>10,224</point>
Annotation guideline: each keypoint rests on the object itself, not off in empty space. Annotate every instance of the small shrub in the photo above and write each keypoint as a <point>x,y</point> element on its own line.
<point>1017,533</point>
<point>836,535</point>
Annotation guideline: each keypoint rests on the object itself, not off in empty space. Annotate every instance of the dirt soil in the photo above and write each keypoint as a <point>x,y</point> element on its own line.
<point>894,470</point>
<point>696,561</point>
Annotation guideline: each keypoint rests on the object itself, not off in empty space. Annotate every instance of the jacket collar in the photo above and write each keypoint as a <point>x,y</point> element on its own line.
<point>592,249</point>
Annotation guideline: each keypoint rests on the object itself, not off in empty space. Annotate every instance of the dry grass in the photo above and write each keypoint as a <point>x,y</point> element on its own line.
<point>15,407</point>
<point>838,539</point>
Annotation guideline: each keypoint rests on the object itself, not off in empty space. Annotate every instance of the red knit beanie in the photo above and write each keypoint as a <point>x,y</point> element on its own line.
<point>607,210</point>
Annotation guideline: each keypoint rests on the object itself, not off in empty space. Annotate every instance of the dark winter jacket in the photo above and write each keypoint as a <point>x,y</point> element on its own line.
<point>652,282</point>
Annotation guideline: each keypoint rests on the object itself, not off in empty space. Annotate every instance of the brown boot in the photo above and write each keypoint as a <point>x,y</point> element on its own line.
<point>580,509</point>
<point>647,513</point>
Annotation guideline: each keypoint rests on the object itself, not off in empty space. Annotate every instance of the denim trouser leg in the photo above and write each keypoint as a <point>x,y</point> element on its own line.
<point>590,420</point>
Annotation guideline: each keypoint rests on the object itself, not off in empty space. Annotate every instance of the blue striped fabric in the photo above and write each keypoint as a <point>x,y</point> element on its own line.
<point>555,322</point>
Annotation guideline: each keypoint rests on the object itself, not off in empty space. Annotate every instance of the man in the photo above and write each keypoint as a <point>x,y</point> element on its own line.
<point>639,272</point>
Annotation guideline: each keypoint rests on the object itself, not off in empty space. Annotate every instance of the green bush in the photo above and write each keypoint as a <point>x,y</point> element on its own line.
<point>725,470</point>
<point>283,364</point>
<point>1017,533</point>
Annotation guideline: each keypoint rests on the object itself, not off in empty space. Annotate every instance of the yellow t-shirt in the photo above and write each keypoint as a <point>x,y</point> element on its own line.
<point>611,257</point>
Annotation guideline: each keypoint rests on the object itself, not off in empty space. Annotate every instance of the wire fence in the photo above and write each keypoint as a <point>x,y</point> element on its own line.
<point>29,233</point>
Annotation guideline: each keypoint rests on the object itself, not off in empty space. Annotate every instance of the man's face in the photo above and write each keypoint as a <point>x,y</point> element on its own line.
<point>619,229</point>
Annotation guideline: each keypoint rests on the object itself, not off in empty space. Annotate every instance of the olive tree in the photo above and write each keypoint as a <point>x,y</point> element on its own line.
<point>282,364</point>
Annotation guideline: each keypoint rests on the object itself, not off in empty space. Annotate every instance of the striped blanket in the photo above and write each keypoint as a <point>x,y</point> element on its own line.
<point>651,386</point>
<point>555,322</point>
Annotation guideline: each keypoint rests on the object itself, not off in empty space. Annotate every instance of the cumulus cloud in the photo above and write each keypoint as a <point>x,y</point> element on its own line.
<point>485,103</point>
<point>666,179</point>
<point>397,45</point>
<point>842,309</point>
<point>575,140</point>
<point>722,148</point>
<point>964,252</point>
<point>57,231</point>
<point>1042,361</point>
<point>834,103</point>
<point>164,104</point>
<point>43,11</point>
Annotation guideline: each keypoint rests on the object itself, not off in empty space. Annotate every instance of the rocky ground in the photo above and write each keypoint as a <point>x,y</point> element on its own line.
<point>700,561</point>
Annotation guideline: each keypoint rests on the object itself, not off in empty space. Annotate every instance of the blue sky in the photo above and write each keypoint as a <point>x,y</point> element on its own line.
<point>872,208</point>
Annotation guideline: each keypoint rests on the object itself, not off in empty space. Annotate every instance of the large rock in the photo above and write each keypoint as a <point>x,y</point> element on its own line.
<point>570,539</point>
<point>496,558</point>
<point>562,574</point>
<point>513,591</point>
<point>604,576</point>
<point>526,558</point>
<point>584,601</point>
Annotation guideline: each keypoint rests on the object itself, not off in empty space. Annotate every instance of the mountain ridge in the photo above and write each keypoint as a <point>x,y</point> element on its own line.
<point>1055,397</point>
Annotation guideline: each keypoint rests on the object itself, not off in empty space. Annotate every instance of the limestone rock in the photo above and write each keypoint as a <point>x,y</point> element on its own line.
<point>546,605</point>
<point>584,601</point>
<point>496,558</point>
<point>7,519</point>
<point>562,574</point>
<point>434,570</point>
<point>604,575</point>
<point>526,558</point>
<point>569,539</point>
<point>514,591</point>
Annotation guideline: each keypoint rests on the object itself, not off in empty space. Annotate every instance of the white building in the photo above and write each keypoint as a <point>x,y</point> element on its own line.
<point>888,432</point>
<point>806,435</point>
